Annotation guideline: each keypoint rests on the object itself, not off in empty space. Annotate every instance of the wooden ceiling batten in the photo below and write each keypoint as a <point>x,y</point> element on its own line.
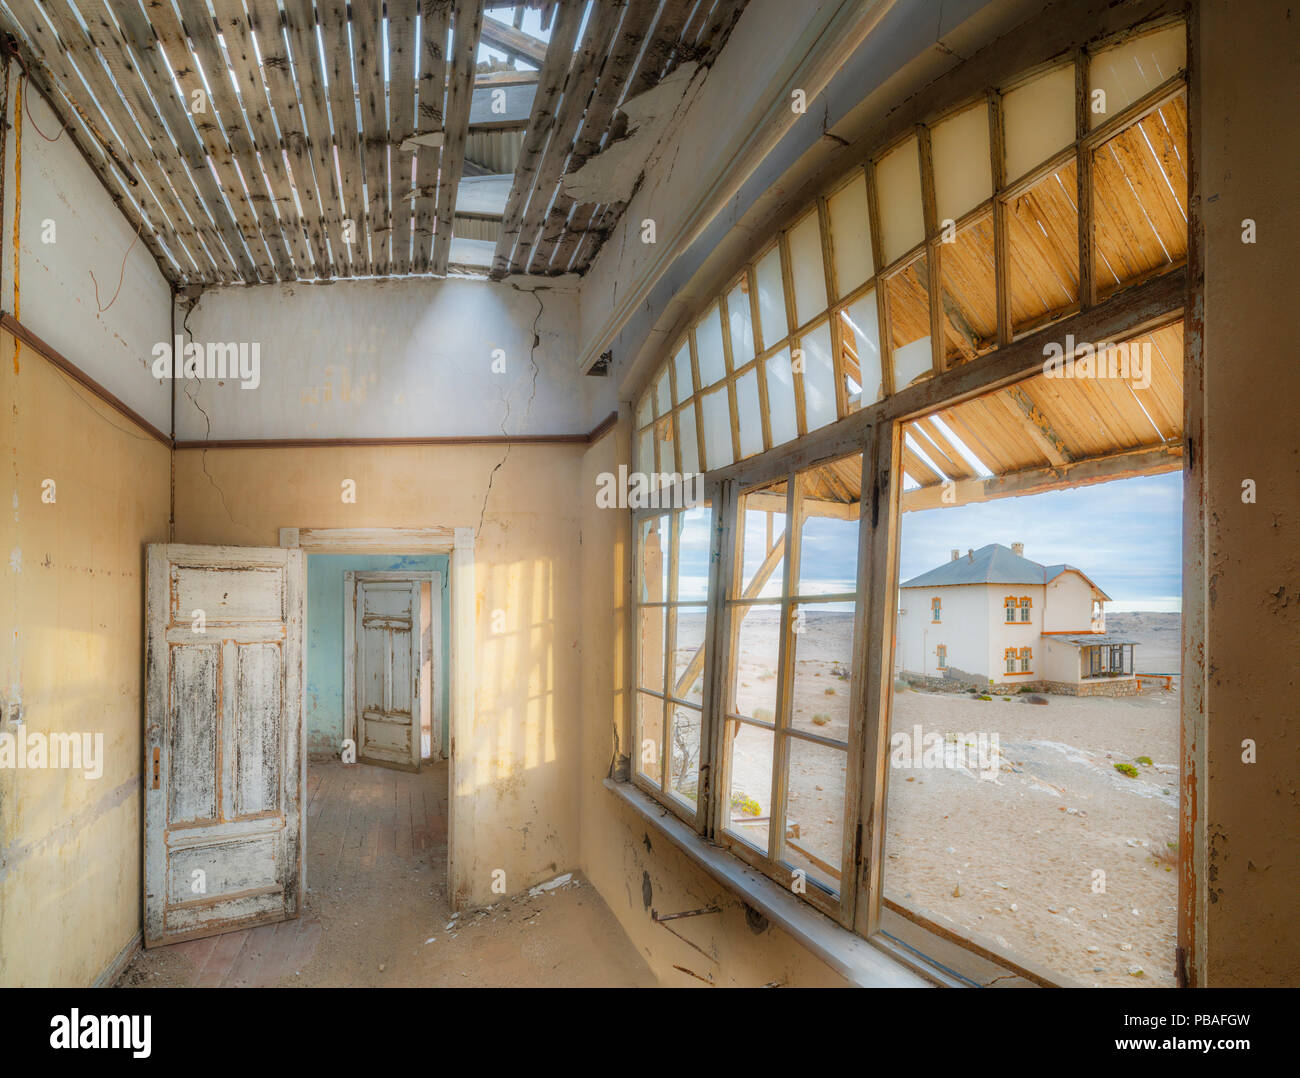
<point>435,21</point>
<point>401,125</point>
<point>89,78</point>
<point>467,21</point>
<point>550,85</point>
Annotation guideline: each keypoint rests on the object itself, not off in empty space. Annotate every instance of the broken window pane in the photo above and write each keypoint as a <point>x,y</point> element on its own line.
<point>749,799</point>
<point>815,810</point>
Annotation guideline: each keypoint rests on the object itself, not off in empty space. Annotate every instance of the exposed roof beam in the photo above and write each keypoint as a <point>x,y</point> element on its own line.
<point>467,22</point>
<point>516,44</point>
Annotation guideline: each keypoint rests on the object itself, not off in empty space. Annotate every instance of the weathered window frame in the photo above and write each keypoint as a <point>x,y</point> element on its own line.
<point>1152,300</point>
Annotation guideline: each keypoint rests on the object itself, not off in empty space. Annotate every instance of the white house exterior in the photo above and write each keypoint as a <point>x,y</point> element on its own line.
<point>992,616</point>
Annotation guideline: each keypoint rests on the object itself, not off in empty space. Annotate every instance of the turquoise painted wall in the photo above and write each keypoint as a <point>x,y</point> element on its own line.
<point>325,638</point>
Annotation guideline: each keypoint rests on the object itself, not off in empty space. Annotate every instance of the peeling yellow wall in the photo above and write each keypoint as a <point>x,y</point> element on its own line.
<point>71,609</point>
<point>517,804</point>
<point>634,869</point>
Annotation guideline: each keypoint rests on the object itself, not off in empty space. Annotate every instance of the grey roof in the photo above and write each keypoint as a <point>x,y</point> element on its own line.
<point>1088,640</point>
<point>992,564</point>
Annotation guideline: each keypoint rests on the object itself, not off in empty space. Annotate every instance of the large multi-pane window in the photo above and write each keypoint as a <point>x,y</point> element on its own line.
<point>672,583</point>
<point>790,614</point>
<point>756,712</point>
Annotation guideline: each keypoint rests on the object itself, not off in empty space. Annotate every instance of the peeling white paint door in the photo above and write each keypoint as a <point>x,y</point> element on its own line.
<point>223,739</point>
<point>387,672</point>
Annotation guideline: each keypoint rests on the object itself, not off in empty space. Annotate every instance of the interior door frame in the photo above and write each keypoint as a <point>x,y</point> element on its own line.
<point>351,577</point>
<point>458,544</point>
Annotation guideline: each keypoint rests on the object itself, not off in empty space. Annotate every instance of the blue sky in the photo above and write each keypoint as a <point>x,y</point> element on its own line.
<point>1126,535</point>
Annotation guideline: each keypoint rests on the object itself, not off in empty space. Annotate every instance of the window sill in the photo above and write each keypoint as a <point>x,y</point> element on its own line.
<point>857,960</point>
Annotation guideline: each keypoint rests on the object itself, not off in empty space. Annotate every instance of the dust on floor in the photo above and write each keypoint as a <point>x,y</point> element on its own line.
<point>377,911</point>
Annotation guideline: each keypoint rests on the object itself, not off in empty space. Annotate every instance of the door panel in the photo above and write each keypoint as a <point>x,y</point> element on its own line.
<point>223,740</point>
<point>386,672</point>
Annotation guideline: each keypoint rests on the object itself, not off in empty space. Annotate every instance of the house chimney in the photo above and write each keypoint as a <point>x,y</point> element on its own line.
<point>956,554</point>
<point>970,555</point>
<point>1018,549</point>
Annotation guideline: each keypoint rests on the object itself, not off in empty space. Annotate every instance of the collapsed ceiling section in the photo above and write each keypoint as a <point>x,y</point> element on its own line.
<point>254,141</point>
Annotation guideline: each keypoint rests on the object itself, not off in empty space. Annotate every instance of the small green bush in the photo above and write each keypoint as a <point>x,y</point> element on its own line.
<point>1144,760</point>
<point>1127,769</point>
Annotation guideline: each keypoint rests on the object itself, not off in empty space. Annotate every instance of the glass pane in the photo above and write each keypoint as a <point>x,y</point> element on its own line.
<point>1043,249</point>
<point>761,519</point>
<point>652,622</point>
<point>645,453</point>
<point>662,403</point>
<point>693,553</point>
<point>823,662</point>
<point>1038,120</point>
<point>771,299</point>
<point>860,336</point>
<point>690,446</point>
<point>828,537</point>
<point>750,794</point>
<point>758,641</point>
<point>653,545</point>
<point>742,323</point>
<point>717,428</point>
<point>650,726</point>
<point>850,235</point>
<point>688,654</point>
<point>708,348</point>
<point>807,270</point>
<point>898,188</point>
<point>684,749</point>
<point>963,176</point>
<point>663,429</point>
<point>909,317</point>
<point>1128,71</point>
<point>814,810</point>
<point>751,421</point>
<point>970,307</point>
<point>818,377</point>
<point>780,398</point>
<point>685,380</point>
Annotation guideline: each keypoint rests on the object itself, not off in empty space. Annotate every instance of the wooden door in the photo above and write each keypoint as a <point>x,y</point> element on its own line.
<point>223,740</point>
<point>386,671</point>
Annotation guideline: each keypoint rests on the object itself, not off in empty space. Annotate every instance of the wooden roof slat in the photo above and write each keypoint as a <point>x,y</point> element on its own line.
<point>243,64</point>
<point>577,91</point>
<point>467,21</point>
<point>136,67</point>
<point>347,137</point>
<point>176,232</point>
<point>300,22</point>
<point>265,24</point>
<point>206,50</point>
<point>435,21</point>
<point>368,57</point>
<point>595,124</point>
<point>88,142</point>
<point>172,40</point>
<point>554,71</point>
<point>515,43</point>
<point>402,47</point>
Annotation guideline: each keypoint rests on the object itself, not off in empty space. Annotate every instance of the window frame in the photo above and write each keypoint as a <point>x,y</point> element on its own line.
<point>875,430</point>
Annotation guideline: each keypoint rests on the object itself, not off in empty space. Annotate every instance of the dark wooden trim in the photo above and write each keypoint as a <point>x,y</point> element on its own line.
<point>594,435</point>
<point>11,325</point>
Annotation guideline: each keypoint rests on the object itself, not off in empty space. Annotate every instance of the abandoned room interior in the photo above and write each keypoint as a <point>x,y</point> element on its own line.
<point>670,493</point>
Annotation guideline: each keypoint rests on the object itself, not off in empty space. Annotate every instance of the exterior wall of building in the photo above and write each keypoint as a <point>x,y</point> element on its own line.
<point>962,629</point>
<point>1060,661</point>
<point>1017,634</point>
<point>1068,605</point>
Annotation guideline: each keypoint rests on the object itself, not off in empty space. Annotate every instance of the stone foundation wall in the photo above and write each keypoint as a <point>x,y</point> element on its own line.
<point>963,682</point>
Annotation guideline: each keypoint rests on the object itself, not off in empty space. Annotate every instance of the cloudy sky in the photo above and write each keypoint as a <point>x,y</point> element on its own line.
<point>1125,535</point>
